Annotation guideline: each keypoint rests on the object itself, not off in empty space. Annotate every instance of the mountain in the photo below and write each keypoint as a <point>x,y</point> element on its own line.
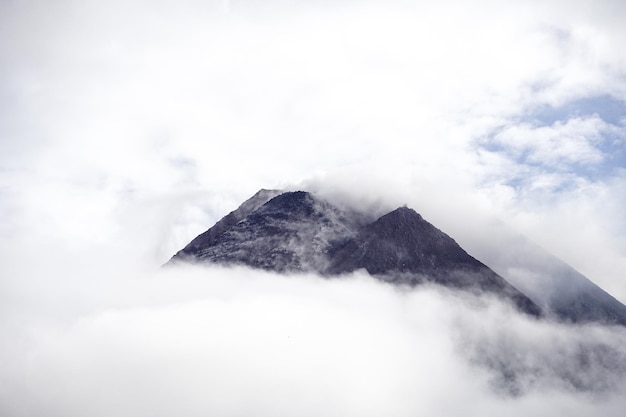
<point>297,232</point>
<point>406,249</point>
<point>551,283</point>
<point>285,232</point>
<point>206,239</point>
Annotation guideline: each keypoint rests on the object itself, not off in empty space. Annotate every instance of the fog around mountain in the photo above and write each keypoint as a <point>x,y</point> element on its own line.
<point>233,340</point>
<point>299,232</point>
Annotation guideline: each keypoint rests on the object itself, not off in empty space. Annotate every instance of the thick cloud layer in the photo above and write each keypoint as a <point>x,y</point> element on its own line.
<point>127,128</point>
<point>197,341</point>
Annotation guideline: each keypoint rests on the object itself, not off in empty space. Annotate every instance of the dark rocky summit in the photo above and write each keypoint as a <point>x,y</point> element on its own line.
<point>403,248</point>
<point>297,232</point>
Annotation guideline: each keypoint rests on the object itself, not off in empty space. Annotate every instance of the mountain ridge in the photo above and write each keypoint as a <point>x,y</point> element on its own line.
<point>296,231</point>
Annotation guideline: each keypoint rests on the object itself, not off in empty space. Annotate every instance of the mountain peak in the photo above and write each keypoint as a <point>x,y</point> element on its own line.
<point>403,215</point>
<point>292,203</point>
<point>298,232</point>
<point>402,218</point>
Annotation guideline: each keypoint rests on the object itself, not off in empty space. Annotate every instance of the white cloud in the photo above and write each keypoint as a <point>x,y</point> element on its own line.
<point>559,146</point>
<point>129,128</point>
<point>199,341</point>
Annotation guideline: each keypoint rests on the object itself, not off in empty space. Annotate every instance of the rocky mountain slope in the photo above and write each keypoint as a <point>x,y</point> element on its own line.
<point>297,232</point>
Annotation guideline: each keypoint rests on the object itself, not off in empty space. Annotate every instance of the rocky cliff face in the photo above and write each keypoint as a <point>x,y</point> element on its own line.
<point>296,232</point>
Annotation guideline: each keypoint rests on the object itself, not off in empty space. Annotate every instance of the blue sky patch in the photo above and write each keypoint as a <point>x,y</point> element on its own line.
<point>608,108</point>
<point>612,144</point>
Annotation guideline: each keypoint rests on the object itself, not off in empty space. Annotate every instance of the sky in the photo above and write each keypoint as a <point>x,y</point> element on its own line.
<point>129,127</point>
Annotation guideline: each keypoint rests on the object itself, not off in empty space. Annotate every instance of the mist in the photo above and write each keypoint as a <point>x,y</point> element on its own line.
<point>194,340</point>
<point>128,128</point>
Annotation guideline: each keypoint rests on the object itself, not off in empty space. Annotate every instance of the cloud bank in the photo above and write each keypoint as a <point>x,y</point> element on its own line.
<point>196,341</point>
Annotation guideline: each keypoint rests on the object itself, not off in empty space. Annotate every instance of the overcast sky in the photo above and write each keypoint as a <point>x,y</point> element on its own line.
<point>129,127</point>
